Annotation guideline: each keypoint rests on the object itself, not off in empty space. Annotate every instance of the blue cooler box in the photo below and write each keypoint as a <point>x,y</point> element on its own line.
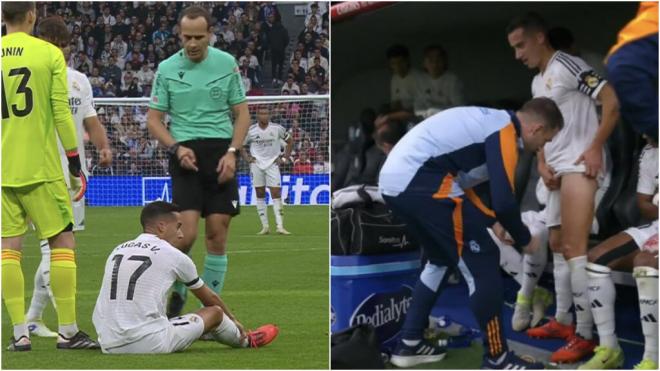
<point>374,289</point>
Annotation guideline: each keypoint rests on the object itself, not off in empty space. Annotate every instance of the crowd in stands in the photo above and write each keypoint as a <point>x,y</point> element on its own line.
<point>119,44</point>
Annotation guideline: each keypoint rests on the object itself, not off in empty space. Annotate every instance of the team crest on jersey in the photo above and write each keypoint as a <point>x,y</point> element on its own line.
<point>75,85</point>
<point>216,93</point>
<point>548,84</point>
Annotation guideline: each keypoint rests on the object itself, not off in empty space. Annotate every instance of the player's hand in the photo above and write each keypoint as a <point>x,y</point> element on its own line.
<point>532,246</point>
<point>592,159</point>
<point>226,168</point>
<point>187,158</point>
<point>282,160</point>
<point>77,178</point>
<point>502,234</point>
<point>550,178</point>
<point>105,157</point>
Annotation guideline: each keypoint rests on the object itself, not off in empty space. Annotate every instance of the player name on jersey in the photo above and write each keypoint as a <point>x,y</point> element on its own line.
<point>12,51</point>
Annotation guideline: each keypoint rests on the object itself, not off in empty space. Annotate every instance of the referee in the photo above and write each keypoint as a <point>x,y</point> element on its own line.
<point>200,88</point>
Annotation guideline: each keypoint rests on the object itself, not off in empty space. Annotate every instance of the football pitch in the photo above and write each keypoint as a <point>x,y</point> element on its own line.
<point>270,279</point>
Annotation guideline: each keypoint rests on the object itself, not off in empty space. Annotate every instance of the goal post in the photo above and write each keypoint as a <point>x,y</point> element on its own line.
<point>139,172</point>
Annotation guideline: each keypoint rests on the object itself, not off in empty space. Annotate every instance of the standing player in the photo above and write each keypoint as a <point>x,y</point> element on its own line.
<point>199,87</point>
<point>572,167</point>
<point>428,181</point>
<point>129,315</point>
<point>265,140</point>
<point>34,108</point>
<point>623,252</point>
<point>54,30</point>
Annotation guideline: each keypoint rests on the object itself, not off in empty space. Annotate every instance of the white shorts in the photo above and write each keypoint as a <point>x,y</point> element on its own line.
<point>179,335</point>
<point>642,233</point>
<point>78,215</point>
<point>269,177</point>
<point>553,208</point>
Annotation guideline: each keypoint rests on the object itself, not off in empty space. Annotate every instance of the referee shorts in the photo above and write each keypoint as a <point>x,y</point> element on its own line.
<point>199,190</point>
<point>46,204</point>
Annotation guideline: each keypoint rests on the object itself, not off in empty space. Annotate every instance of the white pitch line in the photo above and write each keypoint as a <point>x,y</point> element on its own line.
<point>29,256</point>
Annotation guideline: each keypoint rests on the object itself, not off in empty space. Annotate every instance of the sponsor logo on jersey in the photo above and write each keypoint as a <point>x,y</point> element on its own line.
<point>474,246</point>
<point>75,85</point>
<point>385,311</point>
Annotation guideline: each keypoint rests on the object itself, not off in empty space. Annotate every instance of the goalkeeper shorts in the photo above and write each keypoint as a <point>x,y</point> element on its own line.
<point>47,205</point>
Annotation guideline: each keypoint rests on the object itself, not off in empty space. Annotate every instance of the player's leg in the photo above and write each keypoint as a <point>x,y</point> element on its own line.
<point>189,227</point>
<point>577,210</point>
<point>41,295</point>
<point>49,207</point>
<point>14,226</point>
<point>646,276</point>
<point>259,184</point>
<point>561,326</point>
<point>215,262</point>
<point>273,180</point>
<point>413,349</point>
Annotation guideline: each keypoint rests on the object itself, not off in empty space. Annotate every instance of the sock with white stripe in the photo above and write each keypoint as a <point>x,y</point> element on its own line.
<point>647,286</point>
<point>511,261</point>
<point>532,268</point>
<point>602,295</point>
<point>262,210</point>
<point>279,213</point>
<point>562,274</point>
<point>584,320</point>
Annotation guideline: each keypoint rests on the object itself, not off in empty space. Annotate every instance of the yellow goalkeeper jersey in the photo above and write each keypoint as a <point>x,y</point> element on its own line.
<point>34,107</point>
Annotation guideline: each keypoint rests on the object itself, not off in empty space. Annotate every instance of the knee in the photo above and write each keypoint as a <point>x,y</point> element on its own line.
<point>555,244</point>
<point>644,259</point>
<point>261,192</point>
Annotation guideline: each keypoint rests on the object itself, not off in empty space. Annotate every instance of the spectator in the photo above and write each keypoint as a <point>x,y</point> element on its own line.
<point>127,77</point>
<point>314,12</point>
<point>105,54</point>
<point>278,40</point>
<point>227,34</point>
<point>438,89</point>
<point>120,45</point>
<point>82,60</point>
<point>112,72</point>
<point>163,33</point>
<point>297,72</point>
<point>302,165</point>
<point>97,82</point>
<point>318,71</point>
<point>323,50</point>
<point>321,165</point>
<point>108,18</point>
<point>134,89</point>
<point>252,64</point>
<point>317,54</point>
<point>145,75</point>
<point>312,86</point>
<point>290,87</point>
<point>302,60</point>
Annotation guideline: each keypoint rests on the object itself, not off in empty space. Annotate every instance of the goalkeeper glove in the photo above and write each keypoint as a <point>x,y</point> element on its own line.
<point>78,180</point>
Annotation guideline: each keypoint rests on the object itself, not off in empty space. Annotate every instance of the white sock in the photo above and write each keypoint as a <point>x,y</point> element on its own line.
<point>533,265</point>
<point>510,259</point>
<point>21,330</point>
<point>262,210</point>
<point>411,343</point>
<point>41,293</point>
<point>563,293</point>
<point>68,330</point>
<point>647,286</point>
<point>602,295</point>
<point>277,210</point>
<point>227,333</point>
<point>584,320</point>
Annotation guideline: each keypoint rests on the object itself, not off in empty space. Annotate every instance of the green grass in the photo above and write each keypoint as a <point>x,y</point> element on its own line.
<point>271,279</point>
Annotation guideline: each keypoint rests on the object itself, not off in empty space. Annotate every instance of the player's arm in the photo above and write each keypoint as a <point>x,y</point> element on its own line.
<point>227,165</point>
<point>546,172</point>
<point>501,159</point>
<point>647,209</point>
<point>94,128</point>
<point>646,188</point>
<point>210,298</point>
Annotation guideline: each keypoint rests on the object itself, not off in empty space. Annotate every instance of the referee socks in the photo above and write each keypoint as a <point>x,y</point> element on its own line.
<point>215,268</point>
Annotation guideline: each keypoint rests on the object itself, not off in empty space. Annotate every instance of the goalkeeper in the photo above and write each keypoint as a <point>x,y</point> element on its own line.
<point>34,108</point>
<point>199,86</point>
<point>54,30</point>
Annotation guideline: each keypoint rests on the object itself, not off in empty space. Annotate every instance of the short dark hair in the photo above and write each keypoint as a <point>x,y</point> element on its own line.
<point>528,22</point>
<point>195,11</point>
<point>560,38</point>
<point>390,133</point>
<point>397,50</point>
<point>545,110</point>
<point>14,12</point>
<point>53,29</point>
<point>155,211</point>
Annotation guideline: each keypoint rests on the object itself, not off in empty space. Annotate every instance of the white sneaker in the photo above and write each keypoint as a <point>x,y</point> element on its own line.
<point>41,330</point>
<point>264,230</point>
<point>281,230</point>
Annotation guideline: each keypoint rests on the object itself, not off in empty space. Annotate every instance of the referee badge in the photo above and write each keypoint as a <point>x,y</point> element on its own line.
<point>216,93</point>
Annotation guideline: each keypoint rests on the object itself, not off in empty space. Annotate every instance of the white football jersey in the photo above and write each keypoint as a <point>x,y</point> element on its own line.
<point>647,182</point>
<point>435,95</point>
<point>404,89</point>
<point>81,103</point>
<point>133,296</point>
<point>574,86</point>
<point>265,144</point>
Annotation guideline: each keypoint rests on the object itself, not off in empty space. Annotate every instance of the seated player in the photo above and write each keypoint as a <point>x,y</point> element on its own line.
<point>620,252</point>
<point>130,311</point>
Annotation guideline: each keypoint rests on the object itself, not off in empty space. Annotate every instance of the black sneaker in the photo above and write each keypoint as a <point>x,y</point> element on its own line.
<point>175,306</point>
<point>21,345</point>
<point>78,341</point>
<point>425,352</point>
<point>511,361</point>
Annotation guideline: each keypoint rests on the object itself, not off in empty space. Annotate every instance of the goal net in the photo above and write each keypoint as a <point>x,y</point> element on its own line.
<point>139,172</point>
